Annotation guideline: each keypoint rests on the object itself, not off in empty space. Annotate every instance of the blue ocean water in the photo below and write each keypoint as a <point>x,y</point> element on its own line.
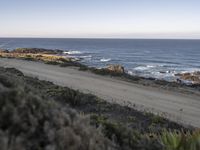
<point>145,57</point>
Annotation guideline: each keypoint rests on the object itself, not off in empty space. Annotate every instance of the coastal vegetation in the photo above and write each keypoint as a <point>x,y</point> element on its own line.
<point>37,114</point>
<point>29,122</point>
<point>36,54</point>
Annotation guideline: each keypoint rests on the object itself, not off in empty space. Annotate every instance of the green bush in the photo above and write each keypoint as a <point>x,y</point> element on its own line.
<point>177,140</point>
<point>83,68</point>
<point>52,63</point>
<point>125,137</point>
<point>29,122</point>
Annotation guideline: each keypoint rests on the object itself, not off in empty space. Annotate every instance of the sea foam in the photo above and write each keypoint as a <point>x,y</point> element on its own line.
<point>105,59</point>
<point>72,52</point>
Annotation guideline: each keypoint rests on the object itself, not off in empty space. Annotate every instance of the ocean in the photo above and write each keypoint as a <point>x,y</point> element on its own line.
<point>157,58</point>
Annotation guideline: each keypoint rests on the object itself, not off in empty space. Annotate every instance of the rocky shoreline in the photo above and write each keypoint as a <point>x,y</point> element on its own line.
<point>186,82</point>
<point>37,54</point>
<point>191,77</point>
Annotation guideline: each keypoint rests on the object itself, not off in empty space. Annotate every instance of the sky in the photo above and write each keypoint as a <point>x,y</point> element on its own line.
<point>100,18</point>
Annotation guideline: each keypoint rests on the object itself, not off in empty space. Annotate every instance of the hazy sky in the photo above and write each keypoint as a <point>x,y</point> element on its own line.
<point>100,18</point>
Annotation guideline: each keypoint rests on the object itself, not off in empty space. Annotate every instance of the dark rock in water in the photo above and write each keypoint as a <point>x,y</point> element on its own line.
<point>4,51</point>
<point>194,77</point>
<point>37,50</point>
<point>151,79</point>
<point>162,72</point>
<point>197,73</point>
<point>116,69</point>
<point>182,74</point>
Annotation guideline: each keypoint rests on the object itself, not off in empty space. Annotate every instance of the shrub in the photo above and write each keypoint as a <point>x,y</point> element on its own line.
<point>29,122</point>
<point>177,140</point>
<point>125,137</point>
<point>52,62</point>
<point>29,58</point>
<point>83,68</point>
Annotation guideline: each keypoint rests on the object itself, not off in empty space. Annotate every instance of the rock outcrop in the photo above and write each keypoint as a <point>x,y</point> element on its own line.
<point>193,77</point>
<point>36,51</point>
<point>116,69</point>
<point>38,54</point>
<point>4,51</point>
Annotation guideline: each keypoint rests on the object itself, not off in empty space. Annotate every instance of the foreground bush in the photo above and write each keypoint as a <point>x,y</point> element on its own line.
<point>178,140</point>
<point>28,122</point>
<point>125,137</point>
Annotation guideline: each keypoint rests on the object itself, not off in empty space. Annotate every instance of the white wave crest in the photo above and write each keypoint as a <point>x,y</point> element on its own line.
<point>86,56</point>
<point>141,68</point>
<point>130,72</point>
<point>105,59</point>
<point>72,52</point>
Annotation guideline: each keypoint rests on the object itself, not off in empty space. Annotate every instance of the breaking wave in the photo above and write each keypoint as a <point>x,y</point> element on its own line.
<point>72,52</point>
<point>141,68</point>
<point>105,59</point>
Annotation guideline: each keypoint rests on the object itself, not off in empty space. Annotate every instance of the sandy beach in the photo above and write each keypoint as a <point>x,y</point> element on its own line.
<point>174,105</point>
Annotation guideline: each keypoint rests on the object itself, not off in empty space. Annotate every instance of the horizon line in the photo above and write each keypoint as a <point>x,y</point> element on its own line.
<point>101,38</point>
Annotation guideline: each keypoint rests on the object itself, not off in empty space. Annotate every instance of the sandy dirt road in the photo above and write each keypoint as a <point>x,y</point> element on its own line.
<point>175,105</point>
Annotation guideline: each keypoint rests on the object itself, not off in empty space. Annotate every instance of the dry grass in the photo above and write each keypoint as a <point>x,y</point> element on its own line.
<point>36,57</point>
